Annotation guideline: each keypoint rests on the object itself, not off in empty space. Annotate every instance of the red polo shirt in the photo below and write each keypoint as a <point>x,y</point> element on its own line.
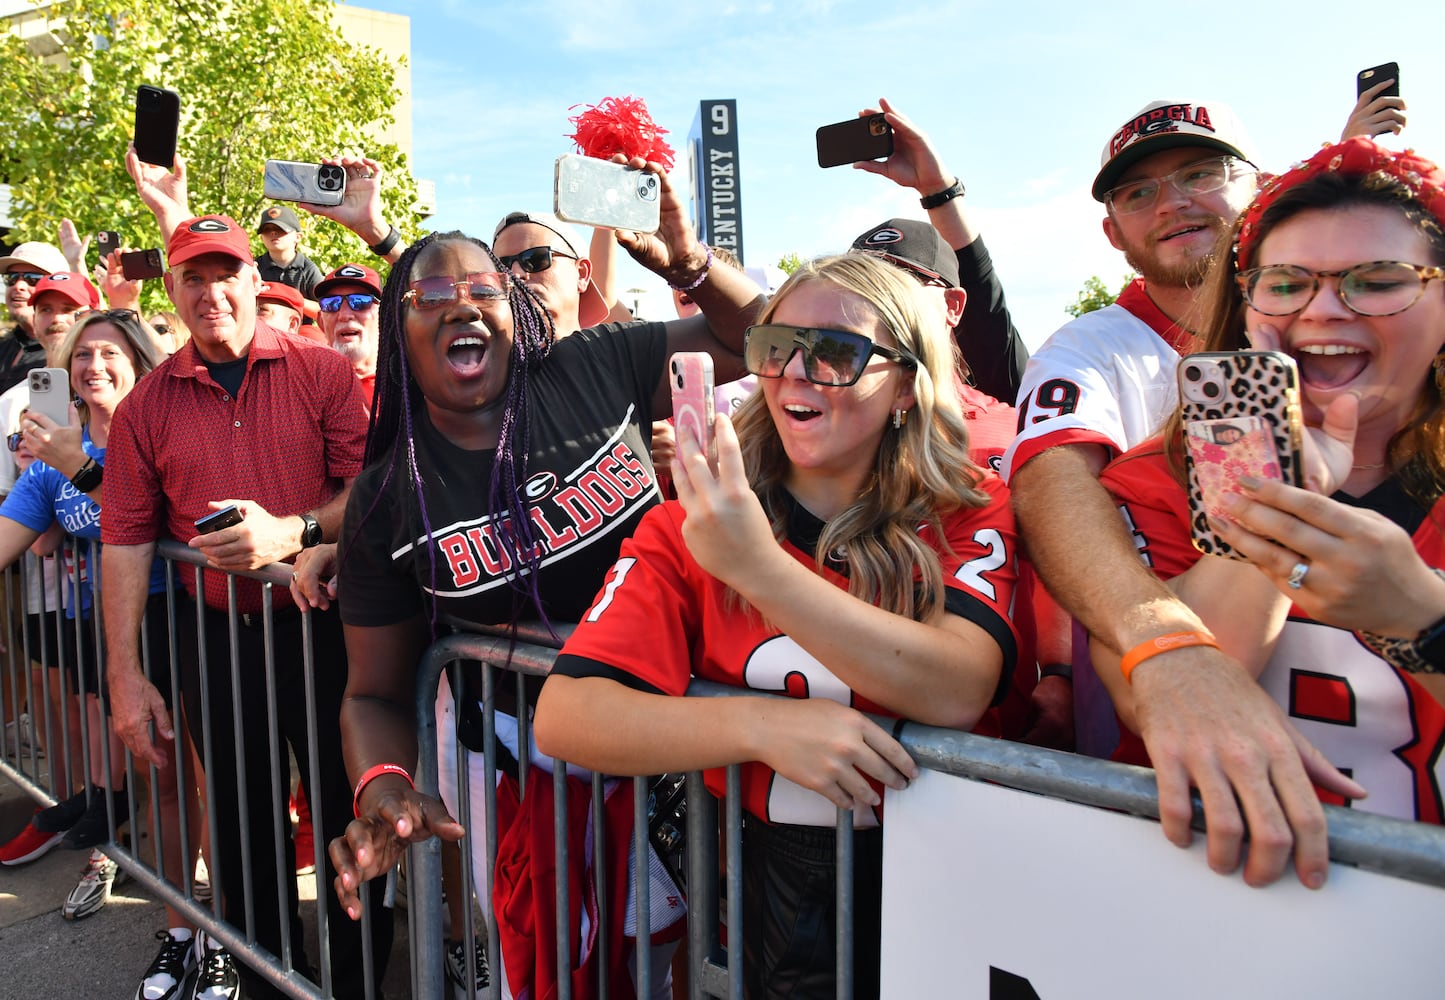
<point>295,430</point>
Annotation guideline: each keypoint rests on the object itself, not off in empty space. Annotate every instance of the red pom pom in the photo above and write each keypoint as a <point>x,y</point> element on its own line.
<point>620,125</point>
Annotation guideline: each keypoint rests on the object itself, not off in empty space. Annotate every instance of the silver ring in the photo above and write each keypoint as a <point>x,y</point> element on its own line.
<point>1296,578</point>
<point>295,575</point>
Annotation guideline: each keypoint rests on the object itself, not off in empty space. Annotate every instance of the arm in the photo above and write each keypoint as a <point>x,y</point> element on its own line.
<point>821,745</point>
<point>119,292</point>
<point>991,346</point>
<point>943,672</point>
<point>263,538</point>
<point>378,726</point>
<point>56,446</point>
<point>134,701</point>
<point>1203,718</point>
<point>73,245</point>
<point>15,538</point>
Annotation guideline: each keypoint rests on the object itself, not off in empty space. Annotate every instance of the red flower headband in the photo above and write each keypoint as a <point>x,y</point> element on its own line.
<point>620,125</point>
<point>1354,157</point>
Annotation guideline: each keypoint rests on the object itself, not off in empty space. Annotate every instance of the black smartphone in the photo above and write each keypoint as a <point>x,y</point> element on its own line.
<point>869,138</point>
<point>215,521</point>
<point>157,122</point>
<point>1367,78</point>
<point>106,241</point>
<point>141,264</point>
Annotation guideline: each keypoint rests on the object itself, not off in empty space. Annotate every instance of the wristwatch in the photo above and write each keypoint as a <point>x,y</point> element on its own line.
<point>311,533</point>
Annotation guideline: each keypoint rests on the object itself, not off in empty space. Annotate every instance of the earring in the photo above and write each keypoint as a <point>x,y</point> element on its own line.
<point>900,415</point>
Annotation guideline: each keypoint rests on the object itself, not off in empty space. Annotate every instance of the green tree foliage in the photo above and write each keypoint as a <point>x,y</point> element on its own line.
<point>1095,295</point>
<point>789,262</point>
<point>257,80</point>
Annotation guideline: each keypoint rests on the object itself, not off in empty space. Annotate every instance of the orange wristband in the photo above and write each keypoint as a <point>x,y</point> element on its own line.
<point>1162,644</point>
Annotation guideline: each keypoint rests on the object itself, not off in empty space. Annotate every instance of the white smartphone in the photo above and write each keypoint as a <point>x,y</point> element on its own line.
<point>606,195</point>
<point>692,399</point>
<point>315,183</point>
<point>50,394</point>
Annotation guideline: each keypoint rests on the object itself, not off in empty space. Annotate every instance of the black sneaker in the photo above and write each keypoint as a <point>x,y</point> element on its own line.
<point>175,960</point>
<point>62,816</point>
<point>217,978</point>
<point>457,966</point>
<point>94,826</point>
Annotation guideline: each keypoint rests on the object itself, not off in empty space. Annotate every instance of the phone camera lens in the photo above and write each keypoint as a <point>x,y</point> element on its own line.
<point>1192,373</point>
<point>1212,389</point>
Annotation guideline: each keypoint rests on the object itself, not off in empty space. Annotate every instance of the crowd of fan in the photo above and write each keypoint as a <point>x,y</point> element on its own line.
<point>901,513</point>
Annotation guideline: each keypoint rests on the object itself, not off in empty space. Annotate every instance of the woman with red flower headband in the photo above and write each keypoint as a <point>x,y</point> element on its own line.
<point>1338,611</point>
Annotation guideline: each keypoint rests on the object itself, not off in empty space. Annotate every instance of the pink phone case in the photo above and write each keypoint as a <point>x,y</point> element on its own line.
<point>1221,451</point>
<point>692,398</point>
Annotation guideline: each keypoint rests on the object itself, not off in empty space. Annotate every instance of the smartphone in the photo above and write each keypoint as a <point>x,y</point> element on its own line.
<point>106,241</point>
<point>141,264</point>
<point>216,520</point>
<point>157,122</point>
<point>606,195</point>
<point>692,399</point>
<point>1241,416</point>
<point>869,138</point>
<point>315,183</point>
<point>50,394</point>
<point>1367,78</point>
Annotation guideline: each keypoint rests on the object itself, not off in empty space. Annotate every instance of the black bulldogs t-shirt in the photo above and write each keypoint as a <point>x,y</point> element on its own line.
<point>589,481</point>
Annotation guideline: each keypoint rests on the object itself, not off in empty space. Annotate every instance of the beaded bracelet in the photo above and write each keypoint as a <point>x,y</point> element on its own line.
<point>1150,648</point>
<point>701,275</point>
<point>372,773</point>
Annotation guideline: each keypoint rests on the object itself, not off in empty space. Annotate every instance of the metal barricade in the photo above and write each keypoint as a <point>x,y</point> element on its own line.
<point>263,900</point>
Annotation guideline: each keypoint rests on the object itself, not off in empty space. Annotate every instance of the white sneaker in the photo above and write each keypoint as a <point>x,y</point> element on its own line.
<point>93,890</point>
<point>217,978</point>
<point>168,970</point>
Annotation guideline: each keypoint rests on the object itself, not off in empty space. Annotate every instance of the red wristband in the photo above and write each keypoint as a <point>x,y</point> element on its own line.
<point>1162,644</point>
<point>371,775</point>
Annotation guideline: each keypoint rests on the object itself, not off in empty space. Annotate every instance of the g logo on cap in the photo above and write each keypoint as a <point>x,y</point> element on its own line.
<point>351,271</point>
<point>884,236</point>
<point>208,226</point>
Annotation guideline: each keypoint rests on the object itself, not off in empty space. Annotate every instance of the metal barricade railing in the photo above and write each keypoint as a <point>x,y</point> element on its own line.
<point>280,966</point>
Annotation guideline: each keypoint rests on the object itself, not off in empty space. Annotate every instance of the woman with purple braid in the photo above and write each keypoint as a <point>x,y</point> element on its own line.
<point>505,466</point>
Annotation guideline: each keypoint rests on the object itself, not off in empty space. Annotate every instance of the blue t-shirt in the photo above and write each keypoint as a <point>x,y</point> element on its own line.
<point>43,496</point>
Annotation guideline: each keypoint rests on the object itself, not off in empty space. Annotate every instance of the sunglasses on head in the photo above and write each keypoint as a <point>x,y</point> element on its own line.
<point>29,277</point>
<point>356,301</point>
<point>479,287</point>
<point>534,259</point>
<point>830,357</point>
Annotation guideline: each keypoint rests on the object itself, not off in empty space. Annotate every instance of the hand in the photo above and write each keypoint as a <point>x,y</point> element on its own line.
<point>360,209</point>
<point>119,291</point>
<point>1207,723</point>
<point>134,704</point>
<point>664,444</point>
<point>73,245</point>
<point>1051,714</point>
<point>673,252</point>
<point>307,588</point>
<point>726,529</point>
<point>1364,572</point>
<point>1374,115</point>
<point>162,191</point>
<point>831,749</point>
<point>914,163</point>
<point>56,446</point>
<point>373,844</point>
<point>259,540</point>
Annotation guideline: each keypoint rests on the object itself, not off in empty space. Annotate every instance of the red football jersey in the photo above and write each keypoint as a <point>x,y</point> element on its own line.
<point>661,618</point>
<point>1372,721</point>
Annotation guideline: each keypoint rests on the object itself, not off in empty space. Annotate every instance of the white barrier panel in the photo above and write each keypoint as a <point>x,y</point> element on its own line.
<point>994,893</point>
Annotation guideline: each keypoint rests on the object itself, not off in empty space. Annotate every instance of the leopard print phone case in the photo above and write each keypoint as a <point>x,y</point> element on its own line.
<point>1241,416</point>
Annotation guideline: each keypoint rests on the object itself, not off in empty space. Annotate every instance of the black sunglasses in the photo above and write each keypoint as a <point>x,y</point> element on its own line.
<point>12,441</point>
<point>358,301</point>
<point>534,259</point>
<point>30,277</point>
<point>830,357</point>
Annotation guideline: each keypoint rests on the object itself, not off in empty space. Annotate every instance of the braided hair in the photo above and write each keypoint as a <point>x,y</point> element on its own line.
<point>391,435</point>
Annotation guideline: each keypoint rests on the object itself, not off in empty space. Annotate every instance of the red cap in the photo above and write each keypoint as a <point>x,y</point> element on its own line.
<point>349,274</point>
<point>276,291</point>
<point>208,234</point>
<point>75,287</point>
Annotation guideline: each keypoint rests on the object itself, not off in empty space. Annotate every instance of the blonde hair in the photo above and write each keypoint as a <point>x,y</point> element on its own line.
<point>921,472</point>
<point>147,352</point>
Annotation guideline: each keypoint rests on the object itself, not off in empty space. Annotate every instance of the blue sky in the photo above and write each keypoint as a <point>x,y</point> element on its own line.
<point>1018,97</point>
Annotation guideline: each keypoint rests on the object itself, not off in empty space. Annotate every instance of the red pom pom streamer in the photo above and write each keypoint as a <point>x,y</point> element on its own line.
<point>620,125</point>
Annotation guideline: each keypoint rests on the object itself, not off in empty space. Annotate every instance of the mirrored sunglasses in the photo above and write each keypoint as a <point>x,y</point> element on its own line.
<point>830,357</point>
<point>482,288</point>
<point>356,301</point>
